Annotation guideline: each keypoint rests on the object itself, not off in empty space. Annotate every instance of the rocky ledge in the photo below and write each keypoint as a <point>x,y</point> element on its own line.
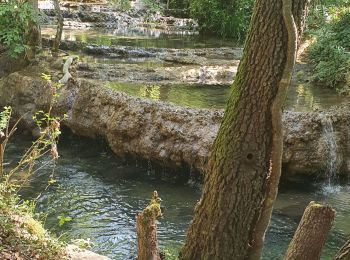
<point>207,66</point>
<point>107,17</point>
<point>315,142</point>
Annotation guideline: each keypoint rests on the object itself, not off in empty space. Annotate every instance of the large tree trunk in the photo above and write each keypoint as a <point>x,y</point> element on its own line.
<point>311,234</point>
<point>57,41</point>
<point>244,167</point>
<point>33,33</point>
<point>344,252</point>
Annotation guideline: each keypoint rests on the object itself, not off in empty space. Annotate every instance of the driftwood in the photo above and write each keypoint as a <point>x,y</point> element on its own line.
<point>344,252</point>
<point>66,74</point>
<point>311,234</point>
<point>146,228</point>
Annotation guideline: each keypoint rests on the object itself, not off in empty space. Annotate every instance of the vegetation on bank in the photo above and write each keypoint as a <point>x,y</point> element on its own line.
<point>329,27</point>
<point>227,19</point>
<point>15,17</point>
<point>22,235</point>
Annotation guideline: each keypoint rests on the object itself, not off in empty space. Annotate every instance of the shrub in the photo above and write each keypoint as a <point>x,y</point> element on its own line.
<point>228,19</point>
<point>330,53</point>
<point>341,28</point>
<point>14,18</point>
<point>152,5</point>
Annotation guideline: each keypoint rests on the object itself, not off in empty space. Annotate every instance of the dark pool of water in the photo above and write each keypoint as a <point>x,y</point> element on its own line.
<point>300,97</point>
<point>102,195</point>
<point>139,38</point>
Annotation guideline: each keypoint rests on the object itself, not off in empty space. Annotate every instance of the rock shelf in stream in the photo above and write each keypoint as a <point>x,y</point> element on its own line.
<point>171,135</point>
<point>106,17</point>
<point>207,66</point>
<point>189,56</point>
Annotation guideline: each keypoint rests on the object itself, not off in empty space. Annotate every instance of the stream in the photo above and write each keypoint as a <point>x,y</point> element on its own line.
<point>103,194</point>
<point>301,97</point>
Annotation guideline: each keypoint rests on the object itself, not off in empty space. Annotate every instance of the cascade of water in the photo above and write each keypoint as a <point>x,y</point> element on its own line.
<point>331,148</point>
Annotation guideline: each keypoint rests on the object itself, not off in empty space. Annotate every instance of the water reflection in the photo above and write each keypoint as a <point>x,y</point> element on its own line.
<point>303,98</point>
<point>139,37</point>
<point>184,95</point>
<point>300,98</point>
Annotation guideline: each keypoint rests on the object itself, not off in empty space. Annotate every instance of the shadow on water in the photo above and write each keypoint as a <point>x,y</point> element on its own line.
<point>103,194</point>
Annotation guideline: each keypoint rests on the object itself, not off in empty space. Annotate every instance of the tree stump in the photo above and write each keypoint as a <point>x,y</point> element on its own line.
<point>344,252</point>
<point>146,228</point>
<point>311,233</point>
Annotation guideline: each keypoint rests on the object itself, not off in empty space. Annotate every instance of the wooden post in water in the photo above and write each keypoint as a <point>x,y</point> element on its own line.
<point>311,233</point>
<point>146,228</point>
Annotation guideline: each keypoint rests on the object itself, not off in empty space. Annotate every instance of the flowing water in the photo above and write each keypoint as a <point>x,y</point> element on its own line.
<point>331,148</point>
<point>102,195</point>
<point>300,97</point>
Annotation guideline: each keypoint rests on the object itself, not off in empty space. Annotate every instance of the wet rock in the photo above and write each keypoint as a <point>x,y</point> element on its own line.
<point>76,253</point>
<point>315,143</point>
<point>106,17</point>
<point>160,75</point>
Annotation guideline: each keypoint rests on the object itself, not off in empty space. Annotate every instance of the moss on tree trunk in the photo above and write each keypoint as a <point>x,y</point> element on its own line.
<point>146,228</point>
<point>237,180</point>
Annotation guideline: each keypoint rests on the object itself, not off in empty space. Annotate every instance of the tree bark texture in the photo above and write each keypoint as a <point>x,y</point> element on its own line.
<point>57,41</point>
<point>344,252</point>
<point>33,33</point>
<point>237,178</point>
<point>311,233</point>
<point>146,228</point>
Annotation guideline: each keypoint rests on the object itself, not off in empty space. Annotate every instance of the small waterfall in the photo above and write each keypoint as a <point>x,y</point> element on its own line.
<point>331,149</point>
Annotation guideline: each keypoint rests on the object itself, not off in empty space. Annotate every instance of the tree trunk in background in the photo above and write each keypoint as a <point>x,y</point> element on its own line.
<point>344,252</point>
<point>33,34</point>
<point>57,41</point>
<point>311,234</point>
<point>237,187</point>
<point>146,228</point>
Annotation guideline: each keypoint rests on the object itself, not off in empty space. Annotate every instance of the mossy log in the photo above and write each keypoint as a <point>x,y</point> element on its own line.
<point>344,252</point>
<point>311,233</point>
<point>146,228</point>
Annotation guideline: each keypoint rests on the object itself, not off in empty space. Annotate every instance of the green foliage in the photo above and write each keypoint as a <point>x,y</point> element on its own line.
<point>177,4</point>
<point>170,253</point>
<point>82,243</point>
<point>20,232</point>
<point>14,18</point>
<point>152,5</point>
<point>62,219</point>
<point>122,5</point>
<point>228,19</point>
<point>330,53</point>
<point>321,12</point>
<point>4,118</point>
<point>341,28</point>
